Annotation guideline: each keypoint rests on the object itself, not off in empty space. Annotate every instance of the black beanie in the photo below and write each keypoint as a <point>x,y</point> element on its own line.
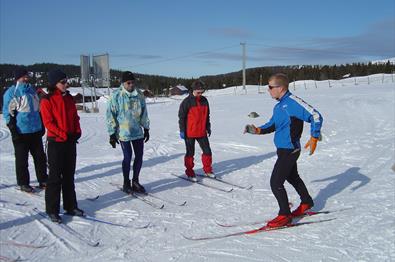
<point>19,72</point>
<point>126,76</point>
<point>55,76</point>
<point>198,85</point>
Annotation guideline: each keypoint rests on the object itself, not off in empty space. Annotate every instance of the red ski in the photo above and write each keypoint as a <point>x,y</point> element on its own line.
<point>253,223</point>
<point>255,231</point>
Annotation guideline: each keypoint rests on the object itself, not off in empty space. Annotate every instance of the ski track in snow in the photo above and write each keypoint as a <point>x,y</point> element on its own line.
<point>4,133</point>
<point>350,169</point>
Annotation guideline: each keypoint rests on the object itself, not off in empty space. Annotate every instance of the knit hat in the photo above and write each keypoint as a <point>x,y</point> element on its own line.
<point>198,85</point>
<point>126,76</point>
<point>19,72</point>
<point>55,76</point>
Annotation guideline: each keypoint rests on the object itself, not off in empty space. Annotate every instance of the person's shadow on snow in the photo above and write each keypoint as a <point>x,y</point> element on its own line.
<point>340,182</point>
<point>118,167</point>
<point>228,166</point>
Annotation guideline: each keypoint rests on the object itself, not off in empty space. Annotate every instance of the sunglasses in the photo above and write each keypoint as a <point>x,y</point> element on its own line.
<point>129,82</point>
<point>271,87</point>
<point>63,82</point>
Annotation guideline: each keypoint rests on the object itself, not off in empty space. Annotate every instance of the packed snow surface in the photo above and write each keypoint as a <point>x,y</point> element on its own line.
<point>351,172</point>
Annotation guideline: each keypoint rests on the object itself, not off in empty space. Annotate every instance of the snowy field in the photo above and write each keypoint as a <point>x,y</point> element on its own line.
<point>349,173</point>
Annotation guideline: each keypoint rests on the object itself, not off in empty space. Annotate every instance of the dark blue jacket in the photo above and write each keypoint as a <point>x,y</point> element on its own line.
<point>287,121</point>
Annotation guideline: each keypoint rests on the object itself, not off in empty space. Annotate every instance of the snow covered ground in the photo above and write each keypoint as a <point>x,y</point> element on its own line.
<point>350,172</point>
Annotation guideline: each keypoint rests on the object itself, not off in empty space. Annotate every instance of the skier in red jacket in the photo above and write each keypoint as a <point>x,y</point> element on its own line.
<point>194,124</point>
<point>61,120</point>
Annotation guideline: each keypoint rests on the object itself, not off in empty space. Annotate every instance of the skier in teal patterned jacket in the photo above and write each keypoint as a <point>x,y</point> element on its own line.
<point>128,124</point>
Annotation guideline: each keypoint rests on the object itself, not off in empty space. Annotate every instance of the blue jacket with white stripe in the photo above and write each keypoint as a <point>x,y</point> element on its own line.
<point>287,121</point>
<point>21,100</point>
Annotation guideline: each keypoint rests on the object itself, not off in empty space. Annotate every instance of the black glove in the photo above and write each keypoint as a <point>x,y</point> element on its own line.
<point>113,140</point>
<point>209,132</point>
<point>146,135</point>
<point>12,126</point>
<point>73,137</point>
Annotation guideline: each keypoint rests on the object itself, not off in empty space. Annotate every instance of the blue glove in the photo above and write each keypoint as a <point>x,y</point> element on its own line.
<point>182,135</point>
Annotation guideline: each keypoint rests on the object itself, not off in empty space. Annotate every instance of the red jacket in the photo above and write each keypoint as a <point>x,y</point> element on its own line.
<point>60,117</point>
<point>194,116</point>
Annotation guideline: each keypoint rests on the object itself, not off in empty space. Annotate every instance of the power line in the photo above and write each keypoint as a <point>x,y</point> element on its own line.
<point>195,54</point>
<point>326,50</point>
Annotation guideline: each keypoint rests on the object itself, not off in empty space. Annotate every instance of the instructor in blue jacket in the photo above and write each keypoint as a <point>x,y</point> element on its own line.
<point>287,123</point>
<point>22,116</point>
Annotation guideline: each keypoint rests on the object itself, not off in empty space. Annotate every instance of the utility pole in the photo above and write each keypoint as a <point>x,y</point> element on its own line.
<point>244,66</point>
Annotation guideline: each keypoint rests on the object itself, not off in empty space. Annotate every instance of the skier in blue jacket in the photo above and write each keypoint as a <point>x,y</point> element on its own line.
<point>22,116</point>
<point>287,123</point>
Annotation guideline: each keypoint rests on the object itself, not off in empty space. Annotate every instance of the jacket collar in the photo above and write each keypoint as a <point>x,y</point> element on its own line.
<point>129,94</point>
<point>287,94</point>
<point>60,93</point>
<point>21,85</point>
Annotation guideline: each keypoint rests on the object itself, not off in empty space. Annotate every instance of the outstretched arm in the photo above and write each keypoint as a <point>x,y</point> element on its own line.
<point>269,127</point>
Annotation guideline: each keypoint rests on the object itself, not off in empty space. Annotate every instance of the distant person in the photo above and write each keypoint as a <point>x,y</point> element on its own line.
<point>287,123</point>
<point>63,131</point>
<point>128,124</point>
<point>22,116</point>
<point>194,124</point>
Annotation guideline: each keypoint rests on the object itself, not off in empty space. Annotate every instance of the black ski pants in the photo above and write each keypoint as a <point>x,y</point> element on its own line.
<point>23,145</point>
<point>285,169</point>
<point>203,143</point>
<point>62,162</point>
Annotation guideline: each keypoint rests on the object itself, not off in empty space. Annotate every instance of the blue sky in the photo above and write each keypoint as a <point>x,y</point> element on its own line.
<point>195,38</point>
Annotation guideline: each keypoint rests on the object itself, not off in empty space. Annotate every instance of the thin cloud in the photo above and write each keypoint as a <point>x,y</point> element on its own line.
<point>230,32</point>
<point>137,56</point>
<point>227,56</point>
<point>378,41</point>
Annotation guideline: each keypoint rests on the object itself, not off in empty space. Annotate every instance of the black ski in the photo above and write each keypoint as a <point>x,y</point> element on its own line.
<point>142,197</point>
<point>226,182</point>
<point>17,244</point>
<point>156,197</point>
<point>93,198</point>
<point>166,200</point>
<point>15,203</point>
<point>199,182</point>
<point>254,231</point>
<point>36,191</point>
<point>7,259</point>
<point>87,217</point>
<point>71,231</point>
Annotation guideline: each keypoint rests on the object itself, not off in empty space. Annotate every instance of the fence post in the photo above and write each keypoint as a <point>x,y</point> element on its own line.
<point>295,81</point>
<point>315,83</point>
<point>305,87</point>
<point>368,81</point>
<point>329,82</point>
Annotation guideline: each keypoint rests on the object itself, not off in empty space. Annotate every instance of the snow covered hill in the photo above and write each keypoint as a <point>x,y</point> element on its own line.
<point>349,173</point>
<point>384,61</point>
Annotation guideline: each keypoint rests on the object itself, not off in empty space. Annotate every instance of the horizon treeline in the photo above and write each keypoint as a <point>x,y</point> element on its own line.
<point>158,84</point>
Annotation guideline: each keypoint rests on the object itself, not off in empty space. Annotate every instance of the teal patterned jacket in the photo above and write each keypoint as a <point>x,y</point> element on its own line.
<point>127,114</point>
